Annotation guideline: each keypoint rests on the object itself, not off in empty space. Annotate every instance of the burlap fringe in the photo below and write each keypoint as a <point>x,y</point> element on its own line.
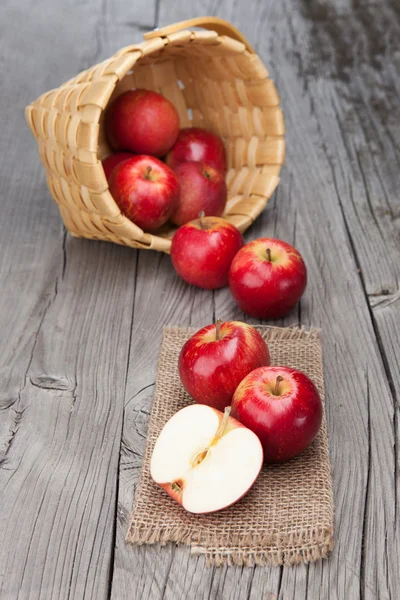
<point>154,535</point>
<point>277,557</point>
<point>181,535</point>
<point>245,556</point>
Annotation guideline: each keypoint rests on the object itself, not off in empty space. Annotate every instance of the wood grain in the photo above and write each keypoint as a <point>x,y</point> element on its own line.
<point>64,343</point>
<point>332,228</point>
<point>81,321</point>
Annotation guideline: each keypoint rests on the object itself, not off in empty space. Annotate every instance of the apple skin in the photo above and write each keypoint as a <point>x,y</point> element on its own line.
<point>202,189</point>
<point>198,145</point>
<point>202,251</point>
<point>172,491</point>
<point>211,369</point>
<point>143,122</point>
<point>110,162</point>
<point>263,288</point>
<point>146,190</point>
<point>287,423</point>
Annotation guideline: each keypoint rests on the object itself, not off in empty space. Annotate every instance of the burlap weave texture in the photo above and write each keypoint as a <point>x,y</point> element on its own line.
<point>286,518</point>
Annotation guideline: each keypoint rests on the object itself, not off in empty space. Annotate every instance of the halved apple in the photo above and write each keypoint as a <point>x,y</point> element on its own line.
<point>205,459</point>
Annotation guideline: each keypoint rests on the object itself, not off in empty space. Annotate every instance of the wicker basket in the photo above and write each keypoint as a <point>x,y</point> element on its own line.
<point>216,81</point>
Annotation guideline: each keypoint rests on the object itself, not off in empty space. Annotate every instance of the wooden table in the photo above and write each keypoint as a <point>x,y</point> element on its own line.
<point>81,321</point>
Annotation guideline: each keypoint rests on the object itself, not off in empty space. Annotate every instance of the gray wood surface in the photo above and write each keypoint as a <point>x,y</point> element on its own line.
<point>81,321</point>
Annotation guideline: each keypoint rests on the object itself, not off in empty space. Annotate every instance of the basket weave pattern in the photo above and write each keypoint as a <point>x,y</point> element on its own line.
<point>214,81</point>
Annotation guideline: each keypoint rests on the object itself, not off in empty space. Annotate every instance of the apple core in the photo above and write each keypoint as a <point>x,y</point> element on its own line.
<point>204,459</point>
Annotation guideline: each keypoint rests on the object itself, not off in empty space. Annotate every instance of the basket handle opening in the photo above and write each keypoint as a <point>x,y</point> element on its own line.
<point>221,26</point>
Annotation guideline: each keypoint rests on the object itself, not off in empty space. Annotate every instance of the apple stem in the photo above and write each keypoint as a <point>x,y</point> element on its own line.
<point>222,426</point>
<point>148,171</point>
<point>269,254</point>
<point>202,214</point>
<point>217,329</point>
<point>277,382</point>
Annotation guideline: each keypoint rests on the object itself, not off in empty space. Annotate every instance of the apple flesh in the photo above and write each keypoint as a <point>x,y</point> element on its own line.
<point>205,460</point>
<point>195,144</point>
<point>202,251</point>
<point>283,408</point>
<point>110,162</point>
<point>146,191</point>
<point>267,278</point>
<point>214,361</point>
<point>143,122</point>
<point>203,188</point>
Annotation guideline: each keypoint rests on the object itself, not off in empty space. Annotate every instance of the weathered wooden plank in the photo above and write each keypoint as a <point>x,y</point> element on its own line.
<point>66,308</point>
<point>59,478</point>
<point>355,128</point>
<point>364,176</point>
<point>371,576</point>
<point>360,409</point>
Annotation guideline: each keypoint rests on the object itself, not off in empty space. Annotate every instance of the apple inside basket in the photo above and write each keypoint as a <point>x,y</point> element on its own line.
<point>210,88</point>
<point>215,82</point>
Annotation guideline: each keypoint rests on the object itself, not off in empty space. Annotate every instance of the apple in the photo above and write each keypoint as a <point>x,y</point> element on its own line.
<point>282,406</point>
<point>146,190</point>
<point>198,145</point>
<point>202,251</point>
<point>267,278</point>
<point>143,122</point>
<point>214,361</point>
<point>110,162</point>
<point>205,459</point>
<point>203,188</point>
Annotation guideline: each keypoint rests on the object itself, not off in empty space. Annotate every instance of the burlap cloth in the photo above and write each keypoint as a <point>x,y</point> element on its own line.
<point>286,518</point>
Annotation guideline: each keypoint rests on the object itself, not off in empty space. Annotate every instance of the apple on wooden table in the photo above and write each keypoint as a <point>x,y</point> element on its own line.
<point>195,144</point>
<point>267,278</point>
<point>143,122</point>
<point>146,190</point>
<point>282,406</point>
<point>203,249</point>
<point>214,361</point>
<point>205,460</point>
<point>203,188</point>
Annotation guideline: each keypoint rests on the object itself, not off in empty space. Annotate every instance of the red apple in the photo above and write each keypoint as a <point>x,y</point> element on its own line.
<point>198,145</point>
<point>202,189</point>
<point>205,459</point>
<point>112,161</point>
<point>282,406</point>
<point>146,191</point>
<point>214,361</point>
<point>143,122</point>
<point>202,251</point>
<point>267,278</point>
